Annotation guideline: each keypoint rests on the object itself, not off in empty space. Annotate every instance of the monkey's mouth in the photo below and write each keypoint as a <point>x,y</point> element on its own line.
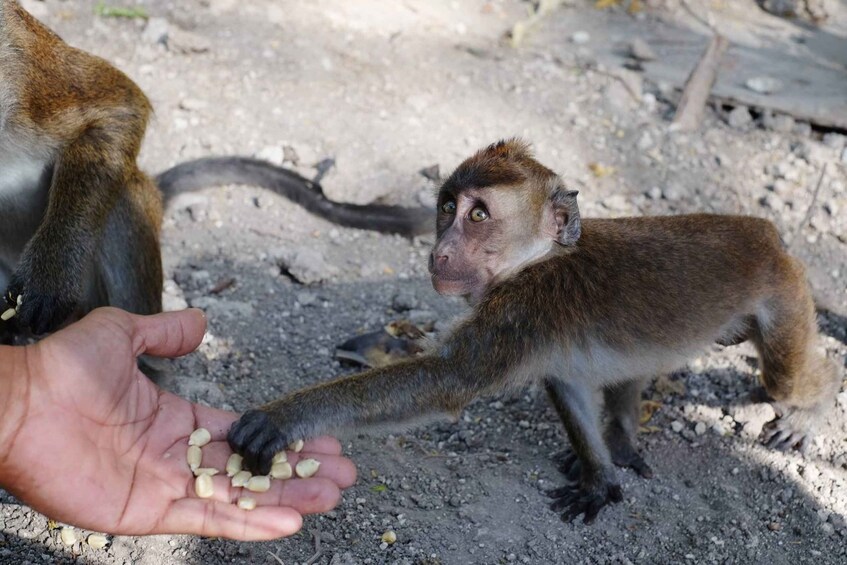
<point>451,286</point>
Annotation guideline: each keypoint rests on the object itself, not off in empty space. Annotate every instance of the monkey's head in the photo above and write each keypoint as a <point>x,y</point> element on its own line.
<point>499,210</point>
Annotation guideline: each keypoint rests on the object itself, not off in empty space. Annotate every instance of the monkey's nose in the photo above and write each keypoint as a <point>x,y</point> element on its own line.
<point>437,261</point>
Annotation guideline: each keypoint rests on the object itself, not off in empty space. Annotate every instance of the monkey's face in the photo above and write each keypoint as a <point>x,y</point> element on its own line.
<point>483,235</point>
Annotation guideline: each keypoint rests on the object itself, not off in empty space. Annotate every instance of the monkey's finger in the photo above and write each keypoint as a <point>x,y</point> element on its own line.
<point>170,334</point>
<point>592,508</point>
<point>222,519</point>
<point>642,468</point>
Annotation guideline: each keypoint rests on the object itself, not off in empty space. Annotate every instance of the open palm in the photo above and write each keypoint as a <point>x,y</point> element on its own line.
<point>97,445</point>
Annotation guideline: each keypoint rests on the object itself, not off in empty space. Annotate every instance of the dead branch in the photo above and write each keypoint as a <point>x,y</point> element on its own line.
<point>692,105</point>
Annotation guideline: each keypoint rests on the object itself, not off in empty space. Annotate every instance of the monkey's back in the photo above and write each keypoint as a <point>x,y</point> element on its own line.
<point>661,280</point>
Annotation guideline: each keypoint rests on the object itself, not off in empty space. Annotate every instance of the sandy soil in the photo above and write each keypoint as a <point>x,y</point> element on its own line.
<point>386,89</point>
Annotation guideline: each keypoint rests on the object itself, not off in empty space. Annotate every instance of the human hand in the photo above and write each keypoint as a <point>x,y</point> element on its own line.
<point>87,439</point>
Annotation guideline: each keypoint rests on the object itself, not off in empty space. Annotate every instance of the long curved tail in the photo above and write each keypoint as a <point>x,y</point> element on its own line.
<point>216,171</point>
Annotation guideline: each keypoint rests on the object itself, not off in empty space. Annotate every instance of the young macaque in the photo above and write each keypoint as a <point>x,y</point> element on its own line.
<point>579,306</point>
<point>79,222</point>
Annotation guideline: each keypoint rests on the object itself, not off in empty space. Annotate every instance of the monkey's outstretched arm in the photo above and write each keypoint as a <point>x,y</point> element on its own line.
<point>466,367</point>
<point>87,178</point>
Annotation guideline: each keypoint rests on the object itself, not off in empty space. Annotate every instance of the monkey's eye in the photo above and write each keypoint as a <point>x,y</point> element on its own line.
<point>478,215</point>
<point>449,207</point>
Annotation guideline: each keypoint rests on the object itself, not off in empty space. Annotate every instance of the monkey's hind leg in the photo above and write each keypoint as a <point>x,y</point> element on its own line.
<point>799,378</point>
<point>622,404</point>
<point>128,270</point>
<point>597,485</point>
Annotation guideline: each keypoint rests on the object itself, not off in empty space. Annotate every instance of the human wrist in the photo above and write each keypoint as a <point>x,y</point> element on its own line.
<point>14,396</point>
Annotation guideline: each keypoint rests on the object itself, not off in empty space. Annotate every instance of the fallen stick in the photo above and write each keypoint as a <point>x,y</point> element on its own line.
<point>692,105</point>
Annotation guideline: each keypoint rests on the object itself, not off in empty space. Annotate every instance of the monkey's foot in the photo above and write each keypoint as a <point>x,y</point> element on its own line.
<point>793,429</point>
<point>623,455</point>
<point>573,500</point>
<point>257,438</point>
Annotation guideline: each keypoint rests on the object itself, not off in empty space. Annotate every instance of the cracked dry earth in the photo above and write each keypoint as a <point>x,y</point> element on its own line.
<point>387,89</point>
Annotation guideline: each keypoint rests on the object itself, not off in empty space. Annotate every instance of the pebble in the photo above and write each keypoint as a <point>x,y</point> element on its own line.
<point>307,266</point>
<point>156,30</point>
<point>782,123</point>
<point>739,117</point>
<point>655,193</point>
<point>752,417</point>
<point>677,426</point>
<point>764,84</point>
<point>834,140</point>
<point>700,428</point>
<point>581,37</point>
<point>641,50</point>
<point>272,154</point>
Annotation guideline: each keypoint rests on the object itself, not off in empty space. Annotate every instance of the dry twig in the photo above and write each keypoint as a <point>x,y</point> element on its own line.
<point>692,105</point>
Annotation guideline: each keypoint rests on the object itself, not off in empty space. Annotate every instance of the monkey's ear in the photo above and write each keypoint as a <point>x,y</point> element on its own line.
<point>566,215</point>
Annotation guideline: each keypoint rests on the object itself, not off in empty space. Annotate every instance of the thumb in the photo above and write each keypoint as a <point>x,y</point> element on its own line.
<point>171,334</point>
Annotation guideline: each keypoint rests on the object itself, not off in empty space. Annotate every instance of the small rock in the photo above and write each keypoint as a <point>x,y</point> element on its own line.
<point>739,117</point>
<point>700,428</point>
<point>782,123</point>
<point>307,266</point>
<point>655,193</point>
<point>193,104</point>
<point>156,31</point>
<point>834,140</point>
<point>343,559</point>
<point>764,84</point>
<point>305,298</point>
<point>272,154</point>
<point>185,42</point>
<point>772,202</point>
<point>677,426</point>
<point>432,172</point>
<point>39,10</point>
<point>641,50</point>
<point>581,37</point>
<point>645,141</point>
<point>616,202</point>
<point>672,192</point>
<point>404,301</point>
<point>752,417</point>
<point>802,129</point>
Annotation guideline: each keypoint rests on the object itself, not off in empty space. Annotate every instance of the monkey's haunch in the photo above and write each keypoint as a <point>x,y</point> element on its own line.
<point>216,171</point>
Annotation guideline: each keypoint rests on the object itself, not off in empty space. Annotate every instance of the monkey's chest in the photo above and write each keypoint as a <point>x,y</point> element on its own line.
<point>24,186</point>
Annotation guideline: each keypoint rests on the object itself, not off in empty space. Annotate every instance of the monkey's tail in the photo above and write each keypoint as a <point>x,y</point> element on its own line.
<point>216,171</point>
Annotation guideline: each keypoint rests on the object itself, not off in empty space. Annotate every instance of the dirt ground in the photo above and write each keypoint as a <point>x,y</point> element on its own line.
<point>387,89</point>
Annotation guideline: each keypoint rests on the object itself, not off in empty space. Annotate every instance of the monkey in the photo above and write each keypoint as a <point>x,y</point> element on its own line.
<point>80,221</point>
<point>579,306</point>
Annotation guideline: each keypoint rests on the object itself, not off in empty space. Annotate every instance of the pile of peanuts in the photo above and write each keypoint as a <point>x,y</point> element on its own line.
<point>280,469</point>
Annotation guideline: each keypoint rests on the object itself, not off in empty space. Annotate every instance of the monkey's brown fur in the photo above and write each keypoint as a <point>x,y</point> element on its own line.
<point>578,306</point>
<point>71,128</point>
<point>80,221</point>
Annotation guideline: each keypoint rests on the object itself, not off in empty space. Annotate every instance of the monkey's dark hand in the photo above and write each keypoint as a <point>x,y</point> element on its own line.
<point>575,499</point>
<point>258,438</point>
<point>48,298</point>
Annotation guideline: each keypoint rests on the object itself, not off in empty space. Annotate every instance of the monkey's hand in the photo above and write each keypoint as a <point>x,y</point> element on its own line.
<point>258,437</point>
<point>48,294</point>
